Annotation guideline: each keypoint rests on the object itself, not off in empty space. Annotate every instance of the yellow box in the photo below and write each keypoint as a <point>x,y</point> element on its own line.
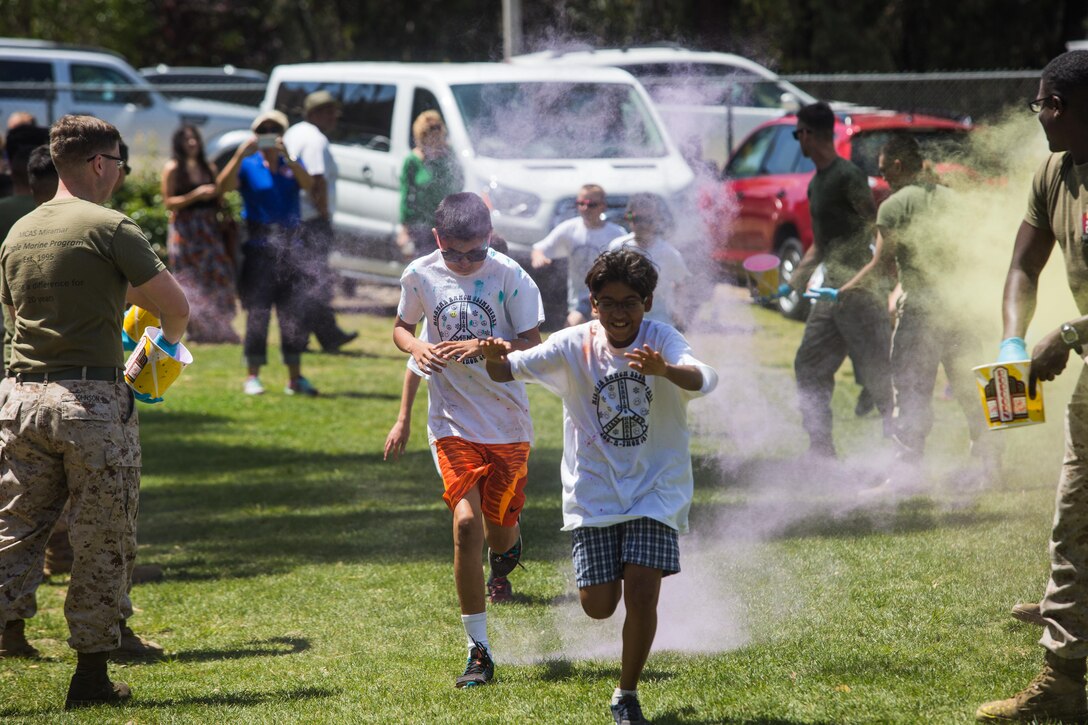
<point>762,272</point>
<point>1003,390</point>
<point>150,369</point>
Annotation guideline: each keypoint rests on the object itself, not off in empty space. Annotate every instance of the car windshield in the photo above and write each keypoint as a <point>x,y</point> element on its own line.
<point>712,84</point>
<point>938,145</point>
<point>558,120</point>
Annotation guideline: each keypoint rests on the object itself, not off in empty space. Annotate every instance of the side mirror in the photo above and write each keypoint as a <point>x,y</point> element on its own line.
<point>789,102</point>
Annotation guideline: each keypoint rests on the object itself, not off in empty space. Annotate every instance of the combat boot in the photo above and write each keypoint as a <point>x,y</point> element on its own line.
<point>13,640</point>
<point>133,646</point>
<point>1056,694</point>
<point>91,684</point>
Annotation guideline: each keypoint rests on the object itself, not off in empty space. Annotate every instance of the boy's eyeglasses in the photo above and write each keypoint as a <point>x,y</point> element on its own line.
<point>637,218</point>
<point>1039,103</point>
<point>119,161</point>
<point>630,305</point>
<point>472,255</point>
<point>588,204</point>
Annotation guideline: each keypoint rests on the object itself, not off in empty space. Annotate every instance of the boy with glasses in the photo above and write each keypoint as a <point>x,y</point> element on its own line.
<point>580,239</point>
<point>649,219</point>
<point>625,381</point>
<point>479,431</point>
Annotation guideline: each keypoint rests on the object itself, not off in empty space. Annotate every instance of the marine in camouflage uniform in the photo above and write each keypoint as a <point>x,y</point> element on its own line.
<point>69,428</point>
<point>1057,213</point>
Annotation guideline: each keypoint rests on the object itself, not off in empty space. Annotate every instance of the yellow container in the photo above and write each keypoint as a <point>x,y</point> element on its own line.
<point>150,369</point>
<point>137,319</point>
<point>762,272</point>
<point>1003,390</point>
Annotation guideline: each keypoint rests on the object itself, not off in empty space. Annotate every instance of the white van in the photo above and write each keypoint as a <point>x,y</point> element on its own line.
<point>710,99</point>
<point>526,138</point>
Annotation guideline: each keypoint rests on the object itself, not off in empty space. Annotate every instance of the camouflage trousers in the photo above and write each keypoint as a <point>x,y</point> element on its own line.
<point>75,441</point>
<point>1065,605</point>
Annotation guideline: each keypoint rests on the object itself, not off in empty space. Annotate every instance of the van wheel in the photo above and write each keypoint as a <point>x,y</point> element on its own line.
<point>794,306</point>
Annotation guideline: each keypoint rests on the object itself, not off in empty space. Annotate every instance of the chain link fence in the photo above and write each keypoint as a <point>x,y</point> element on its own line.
<point>977,95</point>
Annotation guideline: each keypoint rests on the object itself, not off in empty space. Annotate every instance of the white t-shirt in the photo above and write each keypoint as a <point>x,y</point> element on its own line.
<point>573,239</point>
<point>305,142</point>
<point>672,274</point>
<point>499,300</point>
<point>625,435</point>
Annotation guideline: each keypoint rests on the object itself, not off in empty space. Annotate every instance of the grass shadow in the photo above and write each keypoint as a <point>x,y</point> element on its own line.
<point>241,699</point>
<point>561,669</point>
<point>272,647</point>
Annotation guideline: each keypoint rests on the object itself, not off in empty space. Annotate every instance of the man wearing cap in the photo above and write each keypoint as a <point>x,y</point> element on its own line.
<point>307,142</point>
<point>69,428</point>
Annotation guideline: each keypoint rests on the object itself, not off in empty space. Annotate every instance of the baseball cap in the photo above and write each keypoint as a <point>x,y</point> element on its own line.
<point>276,117</point>
<point>317,99</point>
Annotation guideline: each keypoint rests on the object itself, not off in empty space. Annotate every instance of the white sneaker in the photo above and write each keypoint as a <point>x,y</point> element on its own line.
<point>253,385</point>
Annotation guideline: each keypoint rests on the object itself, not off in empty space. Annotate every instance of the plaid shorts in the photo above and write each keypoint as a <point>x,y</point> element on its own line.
<point>599,552</point>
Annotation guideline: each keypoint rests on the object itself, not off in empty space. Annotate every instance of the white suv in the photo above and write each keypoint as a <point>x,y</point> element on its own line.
<point>713,100</point>
<point>526,138</point>
<point>50,80</point>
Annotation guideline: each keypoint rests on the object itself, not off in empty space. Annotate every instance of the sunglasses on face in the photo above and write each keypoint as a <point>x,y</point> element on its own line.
<point>798,131</point>
<point>584,204</point>
<point>628,305</point>
<point>116,159</point>
<point>1040,103</point>
<point>472,255</point>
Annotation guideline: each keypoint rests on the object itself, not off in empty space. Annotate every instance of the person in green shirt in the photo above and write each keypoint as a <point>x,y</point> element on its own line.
<point>853,323</point>
<point>429,175</point>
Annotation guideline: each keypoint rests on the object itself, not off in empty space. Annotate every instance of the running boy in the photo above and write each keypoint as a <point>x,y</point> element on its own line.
<point>480,431</point>
<point>580,239</point>
<point>625,382</point>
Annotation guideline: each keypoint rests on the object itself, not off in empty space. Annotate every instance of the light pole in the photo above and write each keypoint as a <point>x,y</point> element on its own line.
<point>511,28</point>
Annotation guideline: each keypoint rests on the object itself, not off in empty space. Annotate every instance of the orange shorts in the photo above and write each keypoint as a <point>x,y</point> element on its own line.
<point>500,469</point>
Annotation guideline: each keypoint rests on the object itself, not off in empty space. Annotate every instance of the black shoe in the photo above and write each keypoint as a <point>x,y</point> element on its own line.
<point>13,641</point>
<point>88,689</point>
<point>344,339</point>
<point>627,711</point>
<point>499,590</point>
<point>504,563</point>
<point>865,404</point>
<point>479,670</point>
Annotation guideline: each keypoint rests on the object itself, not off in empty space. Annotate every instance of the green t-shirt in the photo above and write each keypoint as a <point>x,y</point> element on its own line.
<point>842,211</point>
<point>12,209</point>
<point>1058,203</point>
<point>913,215</point>
<point>66,270</point>
<point>424,184</point>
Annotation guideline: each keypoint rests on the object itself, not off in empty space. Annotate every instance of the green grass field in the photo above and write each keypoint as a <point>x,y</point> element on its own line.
<point>309,581</point>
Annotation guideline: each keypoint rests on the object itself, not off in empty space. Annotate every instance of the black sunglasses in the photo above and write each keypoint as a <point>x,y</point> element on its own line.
<point>1039,103</point>
<point>472,255</point>
<point>798,131</point>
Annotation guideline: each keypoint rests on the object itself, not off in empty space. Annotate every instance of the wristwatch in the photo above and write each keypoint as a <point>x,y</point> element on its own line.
<point>1071,338</point>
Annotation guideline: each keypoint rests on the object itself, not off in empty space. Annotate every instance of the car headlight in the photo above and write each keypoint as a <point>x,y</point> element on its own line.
<point>512,202</point>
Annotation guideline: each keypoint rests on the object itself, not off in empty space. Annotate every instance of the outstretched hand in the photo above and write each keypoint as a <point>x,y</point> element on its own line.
<point>494,349</point>
<point>646,360</point>
<point>829,294</point>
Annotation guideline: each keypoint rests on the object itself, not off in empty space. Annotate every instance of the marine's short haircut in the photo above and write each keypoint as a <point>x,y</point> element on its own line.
<point>905,148</point>
<point>1068,73</point>
<point>40,170</point>
<point>819,117</point>
<point>462,216</point>
<point>632,268</point>
<point>73,139</point>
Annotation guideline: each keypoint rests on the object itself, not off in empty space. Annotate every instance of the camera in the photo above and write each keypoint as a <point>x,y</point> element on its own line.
<point>266,140</point>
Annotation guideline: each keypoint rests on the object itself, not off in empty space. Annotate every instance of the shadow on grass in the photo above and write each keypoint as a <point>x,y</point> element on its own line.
<point>690,716</point>
<point>562,670</point>
<point>272,647</point>
<point>237,699</point>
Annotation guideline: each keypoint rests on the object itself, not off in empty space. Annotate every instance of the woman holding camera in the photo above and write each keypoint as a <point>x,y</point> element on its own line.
<point>269,181</point>
<point>199,257</point>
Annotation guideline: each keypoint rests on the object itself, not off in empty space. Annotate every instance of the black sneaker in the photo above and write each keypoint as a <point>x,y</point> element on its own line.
<point>503,564</point>
<point>627,711</point>
<point>499,590</point>
<point>479,670</point>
